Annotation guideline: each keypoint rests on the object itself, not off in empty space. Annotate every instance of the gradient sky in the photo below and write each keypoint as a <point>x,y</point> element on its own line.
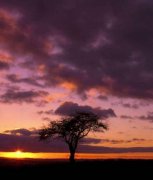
<point>60,56</point>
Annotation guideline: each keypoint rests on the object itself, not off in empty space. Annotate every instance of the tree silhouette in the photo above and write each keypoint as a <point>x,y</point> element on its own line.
<point>72,129</point>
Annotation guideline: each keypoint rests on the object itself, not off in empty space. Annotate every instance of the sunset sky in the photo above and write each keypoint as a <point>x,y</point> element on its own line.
<point>58,56</point>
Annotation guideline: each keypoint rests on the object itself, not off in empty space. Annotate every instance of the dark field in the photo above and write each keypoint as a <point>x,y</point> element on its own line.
<point>86,169</point>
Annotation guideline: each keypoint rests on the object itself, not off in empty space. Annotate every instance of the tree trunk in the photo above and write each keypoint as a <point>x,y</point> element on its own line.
<point>72,153</point>
<point>72,156</point>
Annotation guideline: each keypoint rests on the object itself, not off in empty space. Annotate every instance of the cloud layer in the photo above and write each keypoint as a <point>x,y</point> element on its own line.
<point>105,45</point>
<point>18,96</point>
<point>29,143</point>
<point>69,108</point>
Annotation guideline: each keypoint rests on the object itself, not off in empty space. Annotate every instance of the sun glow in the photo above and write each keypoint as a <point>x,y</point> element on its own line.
<point>17,154</point>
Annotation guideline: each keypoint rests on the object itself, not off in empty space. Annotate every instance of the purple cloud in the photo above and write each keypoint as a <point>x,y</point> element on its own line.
<point>126,117</point>
<point>104,45</point>
<point>69,108</point>
<point>27,80</point>
<point>32,144</point>
<point>115,141</point>
<point>148,117</point>
<point>29,144</point>
<point>21,132</point>
<point>18,96</point>
<point>128,105</point>
<point>49,112</point>
<point>103,98</point>
<point>4,65</point>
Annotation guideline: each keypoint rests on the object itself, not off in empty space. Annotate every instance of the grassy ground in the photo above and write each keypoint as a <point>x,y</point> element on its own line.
<point>86,169</point>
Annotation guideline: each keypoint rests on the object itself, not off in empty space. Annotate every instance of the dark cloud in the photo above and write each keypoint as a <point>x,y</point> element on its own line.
<point>134,127</point>
<point>115,141</point>
<point>29,144</point>
<point>138,139</point>
<point>46,119</point>
<point>111,141</point>
<point>105,45</point>
<point>126,117</point>
<point>90,141</point>
<point>21,132</point>
<point>32,144</point>
<point>49,112</point>
<point>40,112</point>
<point>18,96</point>
<point>128,105</point>
<point>120,132</point>
<point>148,117</point>
<point>4,65</point>
<point>28,80</point>
<point>69,108</point>
<point>103,98</point>
<point>46,114</point>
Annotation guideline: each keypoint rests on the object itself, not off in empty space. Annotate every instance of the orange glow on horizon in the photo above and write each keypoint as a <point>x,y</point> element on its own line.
<point>23,155</point>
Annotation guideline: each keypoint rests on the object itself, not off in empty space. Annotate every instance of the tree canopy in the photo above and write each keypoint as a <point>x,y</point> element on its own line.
<point>73,128</point>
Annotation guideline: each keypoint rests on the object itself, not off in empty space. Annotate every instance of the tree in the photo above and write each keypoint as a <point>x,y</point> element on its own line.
<point>72,129</point>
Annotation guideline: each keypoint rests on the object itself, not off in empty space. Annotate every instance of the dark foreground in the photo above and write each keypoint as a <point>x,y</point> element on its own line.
<point>52,169</point>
